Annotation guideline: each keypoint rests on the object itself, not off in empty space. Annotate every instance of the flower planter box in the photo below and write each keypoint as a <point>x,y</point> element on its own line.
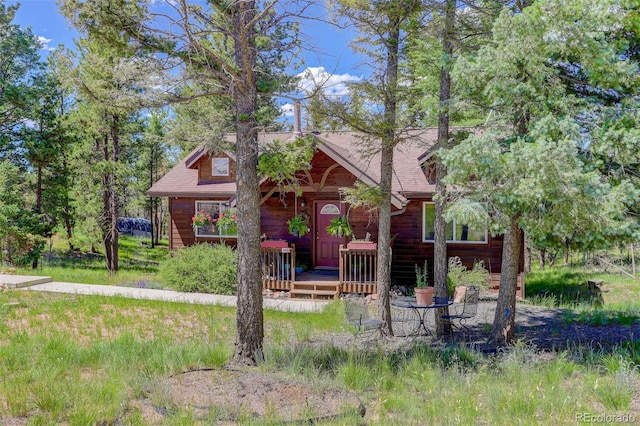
<point>274,244</point>
<point>364,245</point>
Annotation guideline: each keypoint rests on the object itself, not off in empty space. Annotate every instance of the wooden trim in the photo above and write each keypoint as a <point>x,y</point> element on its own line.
<point>278,267</point>
<point>396,199</point>
<point>268,195</point>
<point>329,189</point>
<point>326,174</point>
<point>427,241</point>
<point>358,269</point>
<point>309,178</point>
<point>170,224</point>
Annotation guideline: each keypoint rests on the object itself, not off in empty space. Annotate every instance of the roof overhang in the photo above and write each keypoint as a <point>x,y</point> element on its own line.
<point>191,194</point>
<point>397,200</point>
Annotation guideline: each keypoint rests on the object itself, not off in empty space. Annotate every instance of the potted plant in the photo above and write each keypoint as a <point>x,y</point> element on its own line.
<point>459,277</point>
<point>339,227</point>
<point>298,226</point>
<point>424,292</point>
<point>300,267</point>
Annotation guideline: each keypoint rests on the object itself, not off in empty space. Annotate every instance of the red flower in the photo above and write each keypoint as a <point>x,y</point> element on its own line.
<point>201,218</point>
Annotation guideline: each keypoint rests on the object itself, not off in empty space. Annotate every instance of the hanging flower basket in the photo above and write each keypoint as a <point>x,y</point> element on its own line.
<point>227,221</point>
<point>202,218</point>
<point>298,226</point>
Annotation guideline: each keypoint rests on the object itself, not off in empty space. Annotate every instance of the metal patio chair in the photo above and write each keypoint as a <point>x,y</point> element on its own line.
<point>358,316</point>
<point>469,307</point>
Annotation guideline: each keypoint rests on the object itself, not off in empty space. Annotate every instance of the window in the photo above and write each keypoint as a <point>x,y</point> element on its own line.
<point>330,209</point>
<point>455,232</point>
<point>214,209</point>
<point>220,167</point>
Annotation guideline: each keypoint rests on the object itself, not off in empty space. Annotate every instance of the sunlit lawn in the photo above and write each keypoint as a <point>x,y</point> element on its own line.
<point>80,360</point>
<point>137,263</point>
<point>616,301</point>
<point>567,285</point>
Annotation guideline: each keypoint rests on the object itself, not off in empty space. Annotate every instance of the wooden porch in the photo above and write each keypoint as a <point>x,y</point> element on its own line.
<point>355,273</point>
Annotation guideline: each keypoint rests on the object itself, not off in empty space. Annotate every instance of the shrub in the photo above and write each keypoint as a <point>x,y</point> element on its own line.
<point>204,268</point>
<point>458,274</point>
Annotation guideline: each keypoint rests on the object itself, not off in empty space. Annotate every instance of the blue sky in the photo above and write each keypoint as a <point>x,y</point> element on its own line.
<point>332,60</point>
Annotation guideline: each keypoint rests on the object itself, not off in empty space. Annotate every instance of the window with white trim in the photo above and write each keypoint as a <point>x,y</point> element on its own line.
<point>330,209</point>
<point>455,232</point>
<point>220,166</point>
<point>215,209</point>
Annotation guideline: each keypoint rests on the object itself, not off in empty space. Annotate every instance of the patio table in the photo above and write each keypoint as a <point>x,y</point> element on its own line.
<point>418,312</point>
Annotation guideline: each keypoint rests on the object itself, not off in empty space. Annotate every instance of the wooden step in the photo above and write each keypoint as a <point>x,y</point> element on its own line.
<point>317,285</point>
<point>315,288</point>
<point>313,292</point>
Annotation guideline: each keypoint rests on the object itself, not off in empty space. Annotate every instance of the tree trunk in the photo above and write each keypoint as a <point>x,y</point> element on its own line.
<point>527,253</point>
<point>67,210</point>
<point>157,231</point>
<point>151,224</point>
<point>69,229</point>
<point>249,319</point>
<point>543,255</point>
<point>440,239</point>
<point>503,330</point>
<point>34,264</point>
<point>111,154</point>
<point>440,252</point>
<point>107,192</point>
<point>383,273</point>
<point>108,234</point>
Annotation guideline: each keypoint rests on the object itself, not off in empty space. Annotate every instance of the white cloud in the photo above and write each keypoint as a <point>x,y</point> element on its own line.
<point>332,84</point>
<point>30,124</point>
<point>286,110</point>
<point>44,43</point>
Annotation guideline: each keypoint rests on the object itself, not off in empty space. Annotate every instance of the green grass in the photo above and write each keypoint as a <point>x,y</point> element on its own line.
<point>617,301</point>
<point>69,359</point>
<point>138,264</point>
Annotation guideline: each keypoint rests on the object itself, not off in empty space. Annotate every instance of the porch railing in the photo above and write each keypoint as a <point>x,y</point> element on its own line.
<point>278,267</point>
<point>357,270</point>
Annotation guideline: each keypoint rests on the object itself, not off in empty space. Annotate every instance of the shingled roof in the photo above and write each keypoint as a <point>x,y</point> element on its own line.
<point>346,148</point>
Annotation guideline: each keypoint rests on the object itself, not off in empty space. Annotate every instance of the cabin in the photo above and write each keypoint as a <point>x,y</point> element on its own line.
<point>205,182</point>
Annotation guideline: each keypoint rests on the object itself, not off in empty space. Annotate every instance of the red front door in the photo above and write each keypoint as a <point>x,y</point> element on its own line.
<point>327,250</point>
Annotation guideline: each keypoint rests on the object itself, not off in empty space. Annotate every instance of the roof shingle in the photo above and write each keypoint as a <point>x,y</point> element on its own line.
<point>346,148</point>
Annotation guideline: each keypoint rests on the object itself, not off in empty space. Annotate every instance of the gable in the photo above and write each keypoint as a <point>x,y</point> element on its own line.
<point>337,162</point>
<point>325,175</point>
<point>211,168</point>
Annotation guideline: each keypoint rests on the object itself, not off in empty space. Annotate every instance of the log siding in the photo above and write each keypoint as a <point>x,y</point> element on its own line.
<point>322,183</point>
